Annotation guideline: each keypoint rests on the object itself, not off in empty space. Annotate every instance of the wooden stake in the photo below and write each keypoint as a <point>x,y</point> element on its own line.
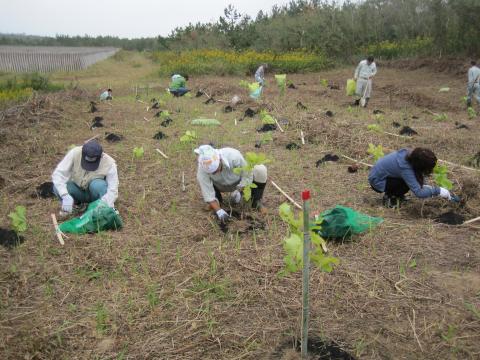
<point>183,182</point>
<point>457,165</point>
<point>142,102</point>
<point>57,230</point>
<point>235,122</point>
<point>161,153</point>
<point>278,125</point>
<point>286,195</point>
<point>92,138</point>
<point>357,161</point>
<point>144,118</point>
<point>396,135</point>
<point>303,137</point>
<point>471,221</point>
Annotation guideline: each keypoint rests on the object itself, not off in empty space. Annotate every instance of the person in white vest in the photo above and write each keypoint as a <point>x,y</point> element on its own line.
<point>216,174</point>
<point>364,73</point>
<point>84,175</point>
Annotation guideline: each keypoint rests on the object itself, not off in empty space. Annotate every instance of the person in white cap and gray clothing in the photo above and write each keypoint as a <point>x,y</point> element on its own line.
<point>364,73</point>
<point>216,174</point>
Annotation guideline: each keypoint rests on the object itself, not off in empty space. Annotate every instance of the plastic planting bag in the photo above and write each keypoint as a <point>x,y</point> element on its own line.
<point>205,122</point>
<point>98,217</point>
<point>342,222</point>
<point>351,87</point>
<point>255,94</point>
<point>281,82</point>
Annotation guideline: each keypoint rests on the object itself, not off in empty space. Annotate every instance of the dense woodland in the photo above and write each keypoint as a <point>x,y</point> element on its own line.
<point>339,29</point>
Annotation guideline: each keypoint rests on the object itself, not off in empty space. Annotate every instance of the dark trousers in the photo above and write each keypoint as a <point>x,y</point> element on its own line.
<point>395,187</point>
<point>257,194</point>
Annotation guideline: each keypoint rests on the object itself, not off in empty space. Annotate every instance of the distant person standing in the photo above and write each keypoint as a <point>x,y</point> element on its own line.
<point>106,95</point>
<point>473,87</point>
<point>260,74</point>
<point>364,74</point>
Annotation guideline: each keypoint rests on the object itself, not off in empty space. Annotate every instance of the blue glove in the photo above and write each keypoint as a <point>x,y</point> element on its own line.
<point>454,198</point>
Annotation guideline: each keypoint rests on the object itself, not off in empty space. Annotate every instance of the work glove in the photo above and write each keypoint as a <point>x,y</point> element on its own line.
<point>222,215</point>
<point>236,196</point>
<point>454,198</point>
<point>67,203</point>
<point>444,193</point>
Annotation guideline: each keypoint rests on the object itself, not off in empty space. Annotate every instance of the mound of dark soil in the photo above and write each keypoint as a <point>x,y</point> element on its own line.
<point>460,126</point>
<point>267,128</point>
<point>334,86</point>
<point>93,108</point>
<point>292,86</point>
<point>2,182</point>
<point>292,146</point>
<point>300,106</point>
<point>415,117</point>
<point>329,113</point>
<point>407,131</point>
<point>153,100</point>
<point>283,121</point>
<point>352,169</point>
<point>97,119</point>
<point>328,157</point>
<point>241,223</point>
<point>317,350</point>
<point>155,105</point>
<point>396,124</point>
<point>258,144</point>
<point>97,122</point>
<point>249,113</point>
<point>198,94</point>
<point>159,136</point>
<point>228,109</point>
<point>9,238</point>
<point>210,101</point>
<point>112,138</point>
<point>44,190</point>
<point>377,111</point>
<point>166,122</point>
<point>450,218</point>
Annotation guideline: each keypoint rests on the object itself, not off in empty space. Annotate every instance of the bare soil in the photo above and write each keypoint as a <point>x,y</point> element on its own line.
<point>172,285</point>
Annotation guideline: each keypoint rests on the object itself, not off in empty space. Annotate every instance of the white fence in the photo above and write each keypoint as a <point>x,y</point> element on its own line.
<point>46,58</point>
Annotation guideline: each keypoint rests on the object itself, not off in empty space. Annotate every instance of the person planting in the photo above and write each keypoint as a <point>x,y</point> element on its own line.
<point>473,86</point>
<point>260,74</point>
<point>84,175</point>
<point>364,74</point>
<point>106,95</point>
<point>216,174</point>
<point>401,171</point>
<point>178,85</point>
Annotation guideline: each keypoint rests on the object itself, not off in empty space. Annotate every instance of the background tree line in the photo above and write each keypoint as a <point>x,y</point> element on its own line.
<point>338,29</point>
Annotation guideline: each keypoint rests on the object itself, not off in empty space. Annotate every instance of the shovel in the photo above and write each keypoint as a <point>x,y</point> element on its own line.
<point>363,100</point>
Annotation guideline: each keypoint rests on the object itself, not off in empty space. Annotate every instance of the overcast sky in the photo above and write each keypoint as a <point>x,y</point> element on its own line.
<point>123,18</point>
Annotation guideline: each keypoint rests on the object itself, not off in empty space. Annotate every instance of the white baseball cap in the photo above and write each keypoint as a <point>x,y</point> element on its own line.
<point>208,158</point>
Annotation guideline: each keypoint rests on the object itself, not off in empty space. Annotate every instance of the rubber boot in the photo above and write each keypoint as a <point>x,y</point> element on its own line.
<point>357,102</point>
<point>469,103</point>
<point>257,194</point>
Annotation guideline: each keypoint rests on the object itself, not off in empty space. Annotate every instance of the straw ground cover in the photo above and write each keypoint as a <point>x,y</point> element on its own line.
<point>171,285</point>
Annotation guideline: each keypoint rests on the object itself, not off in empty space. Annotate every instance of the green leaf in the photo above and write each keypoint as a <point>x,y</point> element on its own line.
<point>376,151</point>
<point>440,177</point>
<point>374,127</point>
<point>138,152</point>
<point>189,136</point>
<point>19,220</point>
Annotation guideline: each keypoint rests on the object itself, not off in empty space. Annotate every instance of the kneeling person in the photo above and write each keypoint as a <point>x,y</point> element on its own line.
<point>216,174</point>
<point>84,175</point>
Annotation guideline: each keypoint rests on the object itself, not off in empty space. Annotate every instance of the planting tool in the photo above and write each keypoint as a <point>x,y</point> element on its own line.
<point>286,195</point>
<point>305,272</point>
<point>161,153</point>
<point>363,100</point>
<point>58,232</point>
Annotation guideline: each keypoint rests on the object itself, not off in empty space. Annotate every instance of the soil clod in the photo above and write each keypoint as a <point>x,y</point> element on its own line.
<point>267,128</point>
<point>228,109</point>
<point>45,190</point>
<point>352,169</point>
<point>10,239</point>
<point>292,146</point>
<point>93,108</point>
<point>258,144</point>
<point>317,350</point>
<point>460,126</point>
<point>396,124</point>
<point>329,113</point>
<point>292,86</point>
<point>155,105</point>
<point>408,131</point>
<point>301,106</point>
<point>97,122</point>
<point>159,136</point>
<point>378,111</point>
<point>249,113</point>
<point>199,94</point>
<point>450,218</point>
<point>166,122</point>
<point>241,223</point>
<point>328,157</point>
<point>210,101</point>
<point>113,138</point>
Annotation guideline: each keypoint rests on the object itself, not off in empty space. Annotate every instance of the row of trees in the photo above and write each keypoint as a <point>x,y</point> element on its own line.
<point>339,29</point>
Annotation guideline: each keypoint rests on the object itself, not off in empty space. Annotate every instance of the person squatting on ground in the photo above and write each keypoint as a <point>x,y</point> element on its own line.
<point>178,85</point>
<point>260,74</point>
<point>364,74</point>
<point>106,95</point>
<point>473,87</point>
<point>216,174</point>
<point>403,170</point>
<point>84,175</point>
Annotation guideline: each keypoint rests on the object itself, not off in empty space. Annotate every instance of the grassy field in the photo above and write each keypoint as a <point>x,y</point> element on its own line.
<point>171,285</point>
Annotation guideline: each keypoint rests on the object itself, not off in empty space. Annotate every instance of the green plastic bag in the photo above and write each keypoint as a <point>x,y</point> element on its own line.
<point>255,94</point>
<point>98,217</point>
<point>342,222</point>
<point>205,122</point>
<point>351,87</point>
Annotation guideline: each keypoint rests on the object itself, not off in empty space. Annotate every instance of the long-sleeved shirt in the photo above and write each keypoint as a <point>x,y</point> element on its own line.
<point>365,71</point>
<point>64,173</point>
<point>473,75</point>
<point>178,82</point>
<point>395,165</point>
<point>105,95</point>
<point>260,74</point>
<point>226,180</point>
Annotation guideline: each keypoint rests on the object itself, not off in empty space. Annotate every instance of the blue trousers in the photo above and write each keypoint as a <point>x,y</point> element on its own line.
<point>473,90</point>
<point>96,189</point>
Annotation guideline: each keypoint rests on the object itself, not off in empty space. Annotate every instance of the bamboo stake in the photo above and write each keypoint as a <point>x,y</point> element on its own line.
<point>278,125</point>
<point>400,136</point>
<point>286,195</point>
<point>144,118</point>
<point>357,161</point>
<point>142,102</point>
<point>183,182</point>
<point>305,273</point>
<point>161,153</point>
<point>92,138</point>
<point>57,230</point>
<point>462,166</point>
<point>471,221</point>
<point>235,122</point>
<point>303,137</point>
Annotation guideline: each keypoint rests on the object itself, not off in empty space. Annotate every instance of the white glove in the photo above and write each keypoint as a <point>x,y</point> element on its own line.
<point>444,193</point>
<point>67,203</point>
<point>236,196</point>
<point>222,215</point>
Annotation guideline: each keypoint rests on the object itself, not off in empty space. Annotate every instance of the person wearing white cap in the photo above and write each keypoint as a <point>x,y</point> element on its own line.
<point>216,174</point>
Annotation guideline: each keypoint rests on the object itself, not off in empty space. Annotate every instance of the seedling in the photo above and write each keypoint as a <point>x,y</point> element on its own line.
<point>18,219</point>
<point>152,296</point>
<point>293,244</point>
<point>252,159</point>
<point>376,151</point>
<point>379,117</point>
<point>266,118</point>
<point>374,127</point>
<point>471,112</point>
<point>164,114</point>
<point>441,117</point>
<point>440,176</point>
<point>281,83</point>
<point>324,82</point>
<point>188,137</point>
<point>101,317</point>
<point>266,137</point>
<point>138,152</point>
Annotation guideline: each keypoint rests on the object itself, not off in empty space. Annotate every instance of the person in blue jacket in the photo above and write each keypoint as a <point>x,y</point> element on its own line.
<point>401,171</point>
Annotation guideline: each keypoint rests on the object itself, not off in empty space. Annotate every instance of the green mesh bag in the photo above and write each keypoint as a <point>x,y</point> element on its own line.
<point>342,222</point>
<point>351,87</point>
<point>98,217</point>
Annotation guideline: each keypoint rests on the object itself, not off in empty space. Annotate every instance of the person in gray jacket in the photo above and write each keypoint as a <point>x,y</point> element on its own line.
<point>216,174</point>
<point>473,86</point>
<point>401,171</point>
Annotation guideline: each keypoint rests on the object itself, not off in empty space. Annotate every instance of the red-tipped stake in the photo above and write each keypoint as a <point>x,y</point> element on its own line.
<point>306,272</point>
